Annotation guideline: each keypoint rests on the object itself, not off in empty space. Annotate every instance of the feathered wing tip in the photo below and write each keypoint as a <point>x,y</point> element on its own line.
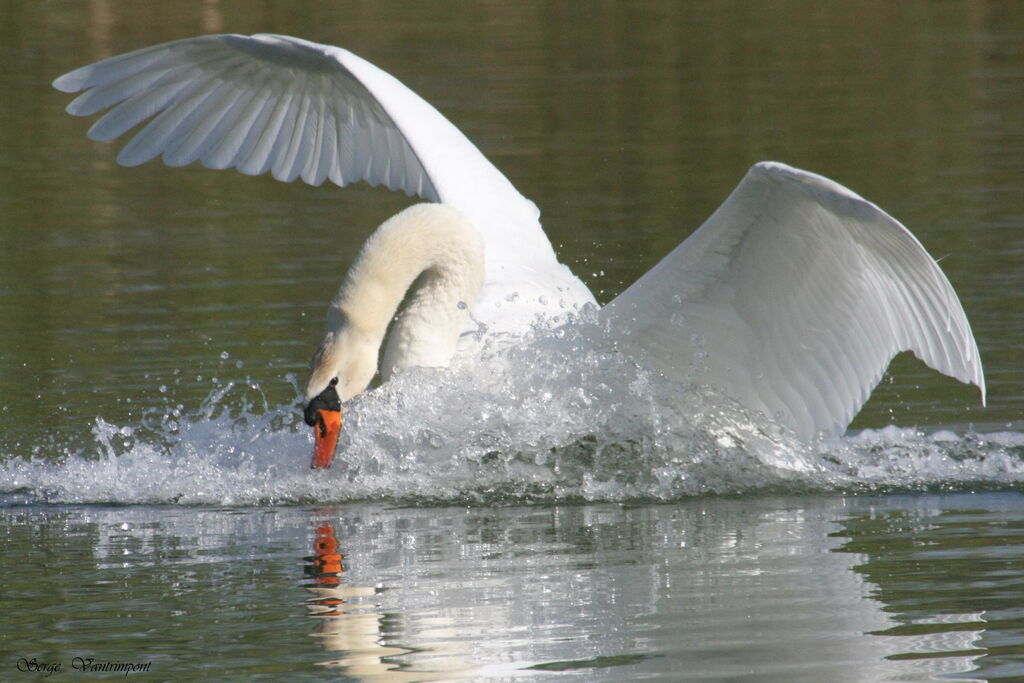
<point>793,298</point>
<point>259,104</point>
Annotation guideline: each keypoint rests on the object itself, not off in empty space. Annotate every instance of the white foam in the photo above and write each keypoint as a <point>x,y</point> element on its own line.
<point>548,421</point>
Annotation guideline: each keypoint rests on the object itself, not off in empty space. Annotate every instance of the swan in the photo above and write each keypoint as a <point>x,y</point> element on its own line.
<point>791,299</point>
<point>430,242</point>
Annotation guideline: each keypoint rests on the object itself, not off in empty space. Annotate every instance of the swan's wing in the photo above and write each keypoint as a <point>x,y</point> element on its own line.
<point>297,109</point>
<point>792,299</point>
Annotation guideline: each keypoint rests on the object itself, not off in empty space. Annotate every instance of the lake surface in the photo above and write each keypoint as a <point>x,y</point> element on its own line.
<point>571,521</point>
<point>788,588</point>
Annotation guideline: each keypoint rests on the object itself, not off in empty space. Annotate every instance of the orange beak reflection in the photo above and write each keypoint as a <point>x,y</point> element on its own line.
<point>325,431</point>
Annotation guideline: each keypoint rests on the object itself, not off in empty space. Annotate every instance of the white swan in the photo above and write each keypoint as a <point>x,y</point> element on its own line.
<point>433,243</point>
<point>792,298</point>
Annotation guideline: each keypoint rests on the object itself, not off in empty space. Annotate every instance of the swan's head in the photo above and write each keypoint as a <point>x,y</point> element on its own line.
<point>342,367</point>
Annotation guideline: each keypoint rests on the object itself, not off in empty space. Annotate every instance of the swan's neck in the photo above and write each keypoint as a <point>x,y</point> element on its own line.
<point>430,248</point>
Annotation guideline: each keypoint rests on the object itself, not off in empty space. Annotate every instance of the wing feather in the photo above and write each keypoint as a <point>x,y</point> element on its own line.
<point>109,94</point>
<point>137,109</point>
<point>226,152</point>
<point>151,141</point>
<point>212,118</point>
<point>262,156</point>
<point>796,294</point>
<point>323,143</point>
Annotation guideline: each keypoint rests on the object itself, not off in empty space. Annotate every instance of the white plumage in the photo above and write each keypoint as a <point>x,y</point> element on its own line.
<point>792,298</point>
<point>796,293</point>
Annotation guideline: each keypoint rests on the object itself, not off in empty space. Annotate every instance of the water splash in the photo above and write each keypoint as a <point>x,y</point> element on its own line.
<point>551,420</point>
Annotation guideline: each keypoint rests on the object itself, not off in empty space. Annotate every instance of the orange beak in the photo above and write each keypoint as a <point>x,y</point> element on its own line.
<point>325,431</point>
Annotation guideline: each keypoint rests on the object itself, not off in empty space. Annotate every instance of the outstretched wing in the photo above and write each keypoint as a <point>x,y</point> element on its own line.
<point>298,109</point>
<point>792,299</point>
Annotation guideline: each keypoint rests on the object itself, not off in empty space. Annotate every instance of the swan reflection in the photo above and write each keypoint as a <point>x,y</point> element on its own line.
<point>933,562</point>
<point>351,624</point>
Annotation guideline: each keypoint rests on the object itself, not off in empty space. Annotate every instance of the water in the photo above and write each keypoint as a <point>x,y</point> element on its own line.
<point>769,588</point>
<point>574,518</point>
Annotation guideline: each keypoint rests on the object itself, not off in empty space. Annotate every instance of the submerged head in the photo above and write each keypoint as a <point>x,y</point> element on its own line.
<point>323,413</point>
<point>342,367</point>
